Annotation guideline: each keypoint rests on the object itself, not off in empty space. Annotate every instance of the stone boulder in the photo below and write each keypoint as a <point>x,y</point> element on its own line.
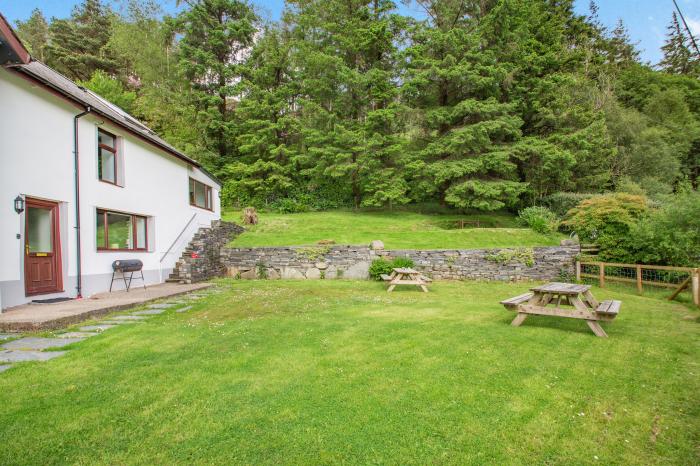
<point>376,245</point>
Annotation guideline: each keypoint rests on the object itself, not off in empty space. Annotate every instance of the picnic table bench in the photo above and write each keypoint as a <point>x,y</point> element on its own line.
<point>406,276</point>
<point>582,305</point>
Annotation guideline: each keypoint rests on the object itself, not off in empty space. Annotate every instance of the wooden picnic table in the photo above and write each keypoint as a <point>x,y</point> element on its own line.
<point>547,300</point>
<point>406,276</point>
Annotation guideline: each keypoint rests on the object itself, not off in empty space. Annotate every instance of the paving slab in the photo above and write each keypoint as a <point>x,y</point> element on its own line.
<point>127,318</point>
<point>76,335</point>
<point>21,356</point>
<point>183,309</point>
<point>37,343</point>
<point>119,322</point>
<point>148,312</point>
<point>161,305</point>
<point>98,328</point>
<point>62,314</point>
<point>4,367</point>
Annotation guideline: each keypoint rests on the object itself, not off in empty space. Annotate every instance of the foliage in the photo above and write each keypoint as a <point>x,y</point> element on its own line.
<point>34,34</point>
<point>607,220</point>
<point>474,105</point>
<point>312,253</point>
<point>381,266</point>
<point>540,219</point>
<point>562,202</point>
<point>79,46</point>
<point>669,235</point>
<point>520,255</point>
<point>111,89</point>
<point>211,53</point>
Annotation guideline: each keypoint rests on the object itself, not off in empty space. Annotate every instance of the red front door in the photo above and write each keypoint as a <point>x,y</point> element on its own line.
<point>42,248</point>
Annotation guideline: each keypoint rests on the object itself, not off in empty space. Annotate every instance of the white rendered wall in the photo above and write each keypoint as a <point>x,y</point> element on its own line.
<point>36,160</point>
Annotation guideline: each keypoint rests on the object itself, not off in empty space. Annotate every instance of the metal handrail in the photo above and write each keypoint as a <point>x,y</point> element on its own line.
<point>178,237</point>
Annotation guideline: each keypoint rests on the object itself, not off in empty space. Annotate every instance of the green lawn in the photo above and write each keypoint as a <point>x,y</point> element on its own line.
<point>329,372</point>
<point>398,230</point>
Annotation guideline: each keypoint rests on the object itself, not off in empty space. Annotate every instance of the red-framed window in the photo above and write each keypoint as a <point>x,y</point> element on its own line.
<point>107,165</point>
<point>119,231</point>
<point>200,195</point>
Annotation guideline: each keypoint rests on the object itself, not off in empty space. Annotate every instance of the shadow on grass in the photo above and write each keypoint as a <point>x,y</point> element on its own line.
<point>558,323</point>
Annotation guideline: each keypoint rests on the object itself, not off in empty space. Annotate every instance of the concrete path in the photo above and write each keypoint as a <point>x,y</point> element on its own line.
<point>58,315</point>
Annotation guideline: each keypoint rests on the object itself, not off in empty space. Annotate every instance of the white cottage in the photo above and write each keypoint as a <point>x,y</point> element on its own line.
<point>82,183</point>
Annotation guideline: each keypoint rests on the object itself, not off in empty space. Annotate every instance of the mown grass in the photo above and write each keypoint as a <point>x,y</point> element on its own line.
<point>398,230</point>
<point>327,372</point>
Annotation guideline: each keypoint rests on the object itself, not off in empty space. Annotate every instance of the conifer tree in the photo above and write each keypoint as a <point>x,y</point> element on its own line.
<point>465,147</point>
<point>266,126</point>
<point>34,33</point>
<point>79,45</point>
<point>216,35</point>
<point>345,52</point>
<point>678,58</point>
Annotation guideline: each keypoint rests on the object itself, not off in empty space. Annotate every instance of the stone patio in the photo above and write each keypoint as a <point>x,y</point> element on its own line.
<point>57,315</point>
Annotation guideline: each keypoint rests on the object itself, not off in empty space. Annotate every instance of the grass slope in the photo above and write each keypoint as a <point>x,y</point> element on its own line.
<point>274,372</point>
<point>398,230</point>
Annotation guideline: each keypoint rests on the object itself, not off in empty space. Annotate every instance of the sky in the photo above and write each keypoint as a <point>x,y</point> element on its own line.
<point>646,20</point>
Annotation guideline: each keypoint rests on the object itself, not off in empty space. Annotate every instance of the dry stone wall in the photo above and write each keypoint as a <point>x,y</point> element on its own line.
<point>207,256</point>
<point>353,262</point>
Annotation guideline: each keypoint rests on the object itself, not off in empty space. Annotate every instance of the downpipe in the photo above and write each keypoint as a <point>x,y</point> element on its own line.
<point>76,170</point>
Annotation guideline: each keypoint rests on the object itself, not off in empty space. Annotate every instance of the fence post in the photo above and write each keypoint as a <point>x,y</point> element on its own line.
<point>696,287</point>
<point>601,274</point>
<point>578,270</point>
<point>639,279</point>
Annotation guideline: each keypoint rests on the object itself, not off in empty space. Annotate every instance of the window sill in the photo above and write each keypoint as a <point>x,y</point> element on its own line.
<point>201,208</point>
<point>122,250</point>
<point>110,183</point>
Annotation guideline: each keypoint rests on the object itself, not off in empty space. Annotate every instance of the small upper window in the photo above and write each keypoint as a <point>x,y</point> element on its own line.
<point>107,157</point>
<point>200,195</point>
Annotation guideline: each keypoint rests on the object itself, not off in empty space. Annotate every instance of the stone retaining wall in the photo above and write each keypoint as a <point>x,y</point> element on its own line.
<point>207,256</point>
<point>544,263</point>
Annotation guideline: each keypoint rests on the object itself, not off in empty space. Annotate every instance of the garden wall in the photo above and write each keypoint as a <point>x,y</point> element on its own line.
<point>543,263</point>
<point>207,256</point>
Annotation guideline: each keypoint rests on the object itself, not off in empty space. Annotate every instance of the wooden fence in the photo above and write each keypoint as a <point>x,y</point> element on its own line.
<point>677,278</point>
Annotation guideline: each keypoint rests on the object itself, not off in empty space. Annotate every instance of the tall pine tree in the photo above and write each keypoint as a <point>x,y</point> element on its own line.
<point>34,33</point>
<point>465,142</point>
<point>678,58</point>
<point>216,35</point>
<point>79,45</point>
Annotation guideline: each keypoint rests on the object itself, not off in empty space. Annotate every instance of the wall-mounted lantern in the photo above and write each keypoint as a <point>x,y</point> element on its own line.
<point>19,204</point>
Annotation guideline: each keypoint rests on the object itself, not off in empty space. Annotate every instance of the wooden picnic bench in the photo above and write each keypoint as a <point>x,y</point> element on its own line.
<point>406,276</point>
<point>579,299</point>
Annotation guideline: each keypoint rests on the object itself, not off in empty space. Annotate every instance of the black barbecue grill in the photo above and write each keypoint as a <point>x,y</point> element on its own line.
<point>124,267</point>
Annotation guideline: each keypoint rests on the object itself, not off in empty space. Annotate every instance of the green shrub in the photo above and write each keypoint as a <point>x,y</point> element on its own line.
<point>289,206</point>
<point>606,220</point>
<point>382,266</point>
<point>539,219</point>
<point>669,235</point>
<point>379,267</point>
<point>402,262</point>
<point>562,202</point>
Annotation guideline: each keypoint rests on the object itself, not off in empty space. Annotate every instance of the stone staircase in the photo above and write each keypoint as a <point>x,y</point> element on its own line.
<point>201,258</point>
